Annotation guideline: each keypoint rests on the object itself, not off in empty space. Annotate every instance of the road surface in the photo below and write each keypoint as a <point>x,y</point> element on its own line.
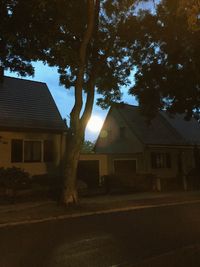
<point>135,238</point>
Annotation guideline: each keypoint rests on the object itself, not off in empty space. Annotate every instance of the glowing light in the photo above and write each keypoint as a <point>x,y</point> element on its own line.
<point>94,124</point>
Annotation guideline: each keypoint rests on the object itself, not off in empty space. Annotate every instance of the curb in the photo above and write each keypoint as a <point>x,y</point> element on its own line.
<point>29,206</point>
<point>90,213</point>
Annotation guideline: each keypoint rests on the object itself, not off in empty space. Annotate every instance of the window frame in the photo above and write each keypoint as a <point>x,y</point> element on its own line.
<point>161,160</point>
<point>42,147</point>
<point>32,150</point>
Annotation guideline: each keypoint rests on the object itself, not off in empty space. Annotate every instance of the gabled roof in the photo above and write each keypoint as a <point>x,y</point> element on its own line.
<point>27,105</point>
<point>162,130</point>
<point>189,130</point>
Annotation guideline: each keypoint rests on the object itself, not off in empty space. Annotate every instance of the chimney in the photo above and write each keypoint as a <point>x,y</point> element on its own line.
<point>1,74</point>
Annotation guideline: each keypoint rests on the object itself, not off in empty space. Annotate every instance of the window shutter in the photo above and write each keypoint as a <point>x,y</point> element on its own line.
<point>16,150</point>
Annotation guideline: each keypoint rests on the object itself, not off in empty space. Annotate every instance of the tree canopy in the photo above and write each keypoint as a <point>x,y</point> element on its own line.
<point>95,45</point>
<point>87,147</point>
<point>13,42</point>
<point>167,58</point>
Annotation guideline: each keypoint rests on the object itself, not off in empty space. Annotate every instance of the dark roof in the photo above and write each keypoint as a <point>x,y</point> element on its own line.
<point>189,130</point>
<point>163,129</point>
<point>28,104</point>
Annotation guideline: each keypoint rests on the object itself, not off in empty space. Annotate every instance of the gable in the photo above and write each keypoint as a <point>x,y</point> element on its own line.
<point>162,130</point>
<point>157,132</point>
<point>110,139</point>
<point>28,104</point>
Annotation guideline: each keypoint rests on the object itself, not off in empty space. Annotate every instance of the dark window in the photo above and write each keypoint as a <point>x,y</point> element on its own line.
<point>160,160</point>
<point>32,151</point>
<point>16,150</point>
<point>122,132</point>
<point>124,166</point>
<point>48,151</point>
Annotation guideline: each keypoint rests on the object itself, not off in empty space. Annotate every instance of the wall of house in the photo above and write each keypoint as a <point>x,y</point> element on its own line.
<point>110,141</point>
<point>174,152</point>
<point>34,168</point>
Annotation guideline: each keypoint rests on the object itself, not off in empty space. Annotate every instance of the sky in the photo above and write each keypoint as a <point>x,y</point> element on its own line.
<point>64,98</point>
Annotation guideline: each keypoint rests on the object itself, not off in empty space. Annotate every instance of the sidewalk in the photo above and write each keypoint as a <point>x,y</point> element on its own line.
<point>33,212</point>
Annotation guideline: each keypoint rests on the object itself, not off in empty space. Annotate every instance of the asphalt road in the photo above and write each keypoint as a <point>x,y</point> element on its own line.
<point>134,238</point>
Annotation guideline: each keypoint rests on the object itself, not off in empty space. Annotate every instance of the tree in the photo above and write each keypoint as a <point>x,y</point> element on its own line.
<point>82,38</point>
<point>13,43</point>
<point>192,10</point>
<point>87,147</point>
<point>167,58</point>
<point>103,62</point>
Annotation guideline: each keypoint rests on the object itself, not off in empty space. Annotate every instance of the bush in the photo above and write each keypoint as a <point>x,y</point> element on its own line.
<point>14,178</point>
<point>49,183</point>
<point>172,183</point>
<point>128,183</point>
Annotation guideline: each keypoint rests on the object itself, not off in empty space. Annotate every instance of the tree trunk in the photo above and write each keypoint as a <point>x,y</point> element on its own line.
<point>78,123</point>
<point>69,190</point>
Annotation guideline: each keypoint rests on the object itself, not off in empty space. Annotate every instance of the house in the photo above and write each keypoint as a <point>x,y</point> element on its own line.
<point>31,128</point>
<point>164,147</point>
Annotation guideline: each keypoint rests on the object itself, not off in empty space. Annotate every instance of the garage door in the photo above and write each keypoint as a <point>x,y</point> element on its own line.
<point>88,171</point>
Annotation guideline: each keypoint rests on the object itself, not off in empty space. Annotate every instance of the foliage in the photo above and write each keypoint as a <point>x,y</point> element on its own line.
<point>192,10</point>
<point>14,178</point>
<point>167,58</point>
<point>87,147</point>
<point>14,43</point>
<point>97,50</point>
<point>128,182</point>
<point>87,49</point>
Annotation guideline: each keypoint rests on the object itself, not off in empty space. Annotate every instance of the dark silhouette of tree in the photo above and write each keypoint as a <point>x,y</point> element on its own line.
<point>192,10</point>
<point>13,42</point>
<point>87,147</point>
<point>167,58</point>
<point>95,45</point>
<point>82,39</point>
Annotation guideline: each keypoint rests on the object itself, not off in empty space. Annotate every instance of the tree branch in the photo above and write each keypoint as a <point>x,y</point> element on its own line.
<point>75,113</point>
<point>91,83</point>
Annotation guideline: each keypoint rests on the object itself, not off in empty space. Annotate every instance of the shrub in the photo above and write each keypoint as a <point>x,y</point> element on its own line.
<point>14,178</point>
<point>128,183</point>
<point>49,183</point>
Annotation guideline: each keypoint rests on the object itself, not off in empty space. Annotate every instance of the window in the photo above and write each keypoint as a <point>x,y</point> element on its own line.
<point>32,151</point>
<point>16,150</point>
<point>124,166</point>
<point>48,151</point>
<point>160,160</point>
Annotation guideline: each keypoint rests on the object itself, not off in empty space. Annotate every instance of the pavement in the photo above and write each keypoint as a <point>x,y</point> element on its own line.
<point>47,210</point>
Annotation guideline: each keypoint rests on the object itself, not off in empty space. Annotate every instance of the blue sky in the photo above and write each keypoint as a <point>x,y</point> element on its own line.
<point>65,98</point>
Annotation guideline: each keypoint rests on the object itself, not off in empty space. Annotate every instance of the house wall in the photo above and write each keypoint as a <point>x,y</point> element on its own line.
<point>174,152</point>
<point>34,168</point>
<point>111,142</point>
<point>143,161</point>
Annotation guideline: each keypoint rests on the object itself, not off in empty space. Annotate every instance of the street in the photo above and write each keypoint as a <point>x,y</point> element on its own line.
<point>118,239</point>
